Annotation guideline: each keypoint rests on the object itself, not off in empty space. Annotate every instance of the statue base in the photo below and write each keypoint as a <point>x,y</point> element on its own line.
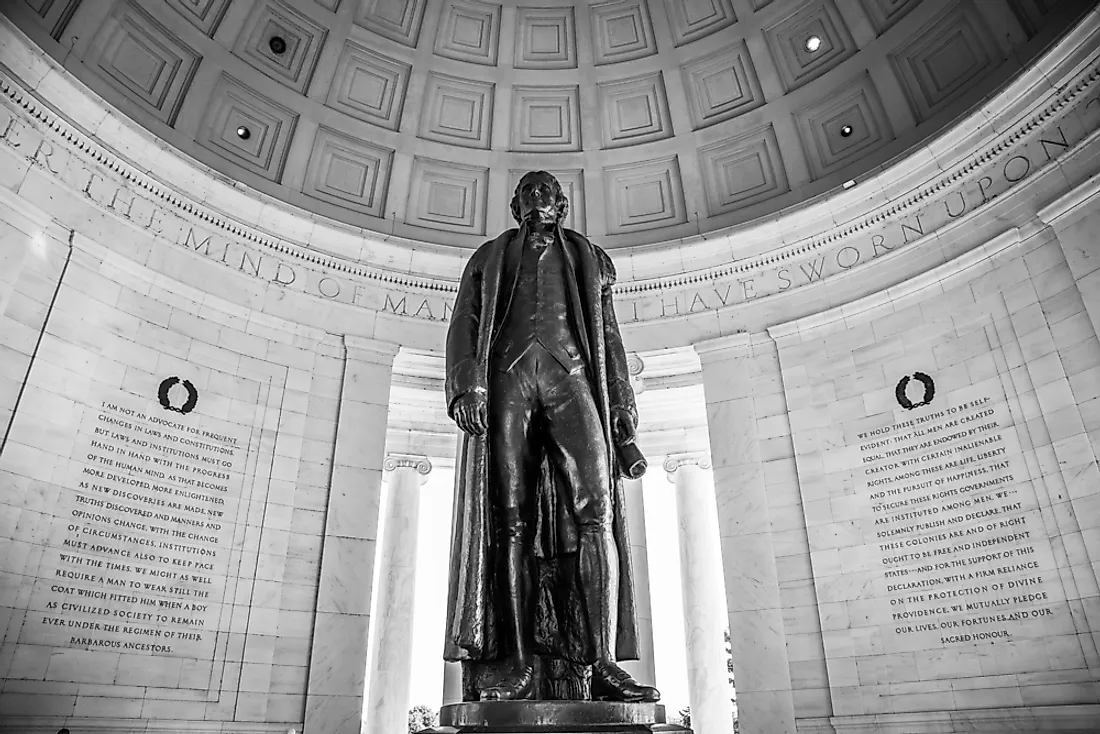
<point>557,717</point>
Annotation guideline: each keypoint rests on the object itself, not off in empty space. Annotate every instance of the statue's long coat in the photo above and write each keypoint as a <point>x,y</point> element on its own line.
<point>474,628</point>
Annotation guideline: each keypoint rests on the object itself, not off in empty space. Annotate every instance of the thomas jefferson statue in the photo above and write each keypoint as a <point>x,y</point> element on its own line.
<point>540,602</point>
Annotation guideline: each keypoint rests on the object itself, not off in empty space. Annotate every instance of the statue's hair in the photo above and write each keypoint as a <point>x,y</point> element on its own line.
<point>562,202</point>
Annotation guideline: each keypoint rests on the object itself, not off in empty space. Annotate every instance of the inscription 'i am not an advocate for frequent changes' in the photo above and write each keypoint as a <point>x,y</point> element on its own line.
<point>138,558</point>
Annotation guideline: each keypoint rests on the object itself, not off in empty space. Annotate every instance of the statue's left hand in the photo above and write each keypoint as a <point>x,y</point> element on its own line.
<point>622,426</point>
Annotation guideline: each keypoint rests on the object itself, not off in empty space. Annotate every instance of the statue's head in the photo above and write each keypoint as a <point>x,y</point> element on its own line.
<point>539,198</point>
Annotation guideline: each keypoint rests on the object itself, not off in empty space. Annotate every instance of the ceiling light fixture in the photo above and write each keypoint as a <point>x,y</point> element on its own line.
<point>244,133</point>
<point>277,44</point>
<point>846,131</point>
<point>813,43</point>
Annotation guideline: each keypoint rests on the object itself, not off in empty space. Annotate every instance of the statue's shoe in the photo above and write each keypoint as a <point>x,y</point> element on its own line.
<point>513,687</point>
<point>612,683</point>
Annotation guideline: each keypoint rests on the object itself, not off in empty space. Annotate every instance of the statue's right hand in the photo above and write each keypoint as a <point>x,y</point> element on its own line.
<point>471,413</point>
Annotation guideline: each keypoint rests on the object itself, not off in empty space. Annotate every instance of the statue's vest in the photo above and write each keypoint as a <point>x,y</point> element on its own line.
<point>538,313</point>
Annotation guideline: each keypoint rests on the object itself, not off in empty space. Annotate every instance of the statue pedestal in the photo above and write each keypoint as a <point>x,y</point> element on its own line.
<point>557,717</point>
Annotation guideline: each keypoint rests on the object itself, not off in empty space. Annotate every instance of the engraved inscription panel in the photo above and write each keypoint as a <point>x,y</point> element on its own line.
<point>141,549</point>
<point>928,518</point>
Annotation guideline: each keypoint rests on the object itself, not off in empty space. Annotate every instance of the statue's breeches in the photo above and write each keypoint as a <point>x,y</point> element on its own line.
<point>537,406</point>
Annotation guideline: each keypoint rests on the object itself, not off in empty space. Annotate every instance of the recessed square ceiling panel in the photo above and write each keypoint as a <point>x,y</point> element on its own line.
<point>787,40</point>
<point>546,38</point>
<point>721,85</point>
<point>369,86</point>
<point>546,119</point>
<point>644,195</point>
<point>397,20</point>
<point>447,196</point>
<point>457,111</point>
<point>247,129</point>
<point>634,110</point>
<point>203,14</point>
<point>143,60</point>
<point>842,125</point>
<point>621,31</point>
<point>348,172</point>
<point>885,13</point>
<point>690,20</point>
<point>290,62</point>
<point>742,171</point>
<point>469,31</point>
<point>944,58</point>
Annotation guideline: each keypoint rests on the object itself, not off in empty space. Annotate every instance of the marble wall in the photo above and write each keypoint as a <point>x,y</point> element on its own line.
<point>947,513</point>
<point>158,561</point>
<point>907,490</point>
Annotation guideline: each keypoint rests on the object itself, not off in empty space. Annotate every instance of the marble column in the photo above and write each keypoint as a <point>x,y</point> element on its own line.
<point>703,594</point>
<point>765,697</point>
<point>452,683</point>
<point>643,669</point>
<point>389,679</point>
<point>336,690</point>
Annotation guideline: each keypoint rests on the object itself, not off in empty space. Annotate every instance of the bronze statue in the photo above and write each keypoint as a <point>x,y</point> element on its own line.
<point>540,602</point>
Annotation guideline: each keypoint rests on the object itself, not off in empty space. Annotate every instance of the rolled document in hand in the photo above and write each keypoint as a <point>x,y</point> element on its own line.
<point>631,462</point>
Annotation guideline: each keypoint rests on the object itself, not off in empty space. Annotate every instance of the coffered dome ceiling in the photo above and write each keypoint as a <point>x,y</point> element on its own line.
<point>663,119</point>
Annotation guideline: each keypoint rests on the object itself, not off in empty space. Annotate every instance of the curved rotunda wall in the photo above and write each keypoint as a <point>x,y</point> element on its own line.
<point>664,120</point>
<point>970,264</point>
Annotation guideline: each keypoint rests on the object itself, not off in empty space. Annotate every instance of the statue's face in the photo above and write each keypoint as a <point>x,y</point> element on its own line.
<point>539,199</point>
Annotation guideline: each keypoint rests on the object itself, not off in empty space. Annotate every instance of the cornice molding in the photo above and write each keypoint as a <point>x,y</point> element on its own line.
<point>873,306</point>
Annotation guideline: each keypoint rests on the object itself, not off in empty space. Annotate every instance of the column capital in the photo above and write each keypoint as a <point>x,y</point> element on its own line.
<point>420,464</point>
<point>634,367</point>
<point>712,348</point>
<point>370,350</point>
<point>673,463</point>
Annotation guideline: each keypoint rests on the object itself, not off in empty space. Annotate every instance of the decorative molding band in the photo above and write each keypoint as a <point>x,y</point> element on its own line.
<point>420,464</point>
<point>1064,205</point>
<point>673,463</point>
<point>870,306</point>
